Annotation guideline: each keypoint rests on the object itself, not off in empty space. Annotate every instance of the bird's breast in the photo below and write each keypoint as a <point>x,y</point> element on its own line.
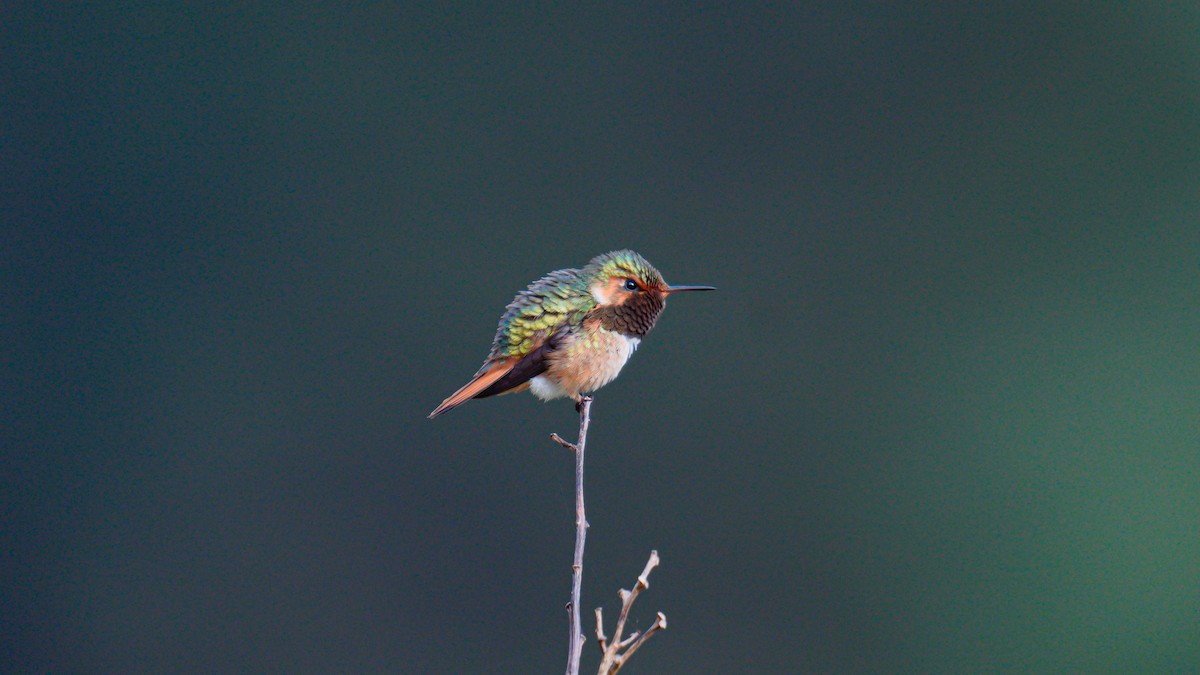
<point>586,361</point>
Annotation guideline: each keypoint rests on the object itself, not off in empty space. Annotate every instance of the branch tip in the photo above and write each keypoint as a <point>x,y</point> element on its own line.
<point>564,442</point>
<point>618,651</point>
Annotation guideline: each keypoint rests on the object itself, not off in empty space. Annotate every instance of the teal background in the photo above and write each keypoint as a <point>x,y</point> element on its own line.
<point>943,414</point>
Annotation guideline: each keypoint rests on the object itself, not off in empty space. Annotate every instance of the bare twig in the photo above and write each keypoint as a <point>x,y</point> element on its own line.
<point>600,638</point>
<point>581,525</point>
<point>613,657</point>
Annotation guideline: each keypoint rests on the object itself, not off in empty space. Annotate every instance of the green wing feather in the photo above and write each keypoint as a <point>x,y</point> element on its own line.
<point>556,301</point>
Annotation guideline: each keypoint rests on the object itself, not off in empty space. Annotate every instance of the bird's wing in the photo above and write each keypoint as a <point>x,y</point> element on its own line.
<point>517,379</point>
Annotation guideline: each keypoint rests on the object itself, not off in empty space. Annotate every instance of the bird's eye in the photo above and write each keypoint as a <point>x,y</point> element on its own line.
<point>631,285</point>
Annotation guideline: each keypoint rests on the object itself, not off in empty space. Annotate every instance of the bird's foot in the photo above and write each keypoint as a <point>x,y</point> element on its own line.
<point>579,402</point>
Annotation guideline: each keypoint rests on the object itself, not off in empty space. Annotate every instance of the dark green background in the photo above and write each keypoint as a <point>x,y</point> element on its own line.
<point>943,414</point>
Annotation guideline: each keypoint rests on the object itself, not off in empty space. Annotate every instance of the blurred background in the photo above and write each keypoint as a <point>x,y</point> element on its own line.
<point>942,415</point>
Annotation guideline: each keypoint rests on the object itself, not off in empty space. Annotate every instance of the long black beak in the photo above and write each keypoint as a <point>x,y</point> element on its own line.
<point>680,289</point>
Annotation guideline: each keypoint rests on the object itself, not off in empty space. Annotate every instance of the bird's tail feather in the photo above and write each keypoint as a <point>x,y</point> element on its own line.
<point>470,390</point>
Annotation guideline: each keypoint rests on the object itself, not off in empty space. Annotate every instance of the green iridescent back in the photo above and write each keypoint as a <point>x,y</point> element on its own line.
<point>558,298</point>
<point>561,298</point>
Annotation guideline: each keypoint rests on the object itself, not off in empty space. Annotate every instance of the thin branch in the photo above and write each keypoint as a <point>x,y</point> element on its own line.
<point>613,657</point>
<point>581,525</point>
<point>660,624</point>
<point>600,630</point>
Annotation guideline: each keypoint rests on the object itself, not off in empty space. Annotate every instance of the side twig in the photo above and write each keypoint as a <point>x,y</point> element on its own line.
<point>613,658</point>
<point>581,525</point>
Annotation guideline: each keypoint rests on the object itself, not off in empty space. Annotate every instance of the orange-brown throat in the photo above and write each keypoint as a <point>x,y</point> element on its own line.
<point>634,315</point>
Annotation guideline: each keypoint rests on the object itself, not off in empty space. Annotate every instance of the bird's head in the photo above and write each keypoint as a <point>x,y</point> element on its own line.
<point>625,277</point>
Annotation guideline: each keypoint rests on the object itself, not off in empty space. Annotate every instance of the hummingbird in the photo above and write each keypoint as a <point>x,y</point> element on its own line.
<point>571,332</point>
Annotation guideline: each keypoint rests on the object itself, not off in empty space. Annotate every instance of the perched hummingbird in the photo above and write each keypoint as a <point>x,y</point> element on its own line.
<point>571,331</point>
